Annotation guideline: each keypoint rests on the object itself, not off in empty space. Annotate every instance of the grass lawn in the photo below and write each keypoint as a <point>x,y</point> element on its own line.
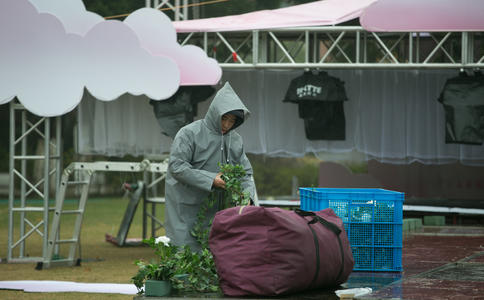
<point>104,261</point>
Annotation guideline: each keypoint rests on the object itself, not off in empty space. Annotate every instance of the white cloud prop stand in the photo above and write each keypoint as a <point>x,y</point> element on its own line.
<point>51,50</point>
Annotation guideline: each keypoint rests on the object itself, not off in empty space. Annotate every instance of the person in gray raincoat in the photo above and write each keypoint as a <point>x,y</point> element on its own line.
<point>194,171</point>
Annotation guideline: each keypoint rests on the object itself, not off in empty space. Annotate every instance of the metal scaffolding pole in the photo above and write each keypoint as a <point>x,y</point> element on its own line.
<point>180,10</point>
<point>26,217</point>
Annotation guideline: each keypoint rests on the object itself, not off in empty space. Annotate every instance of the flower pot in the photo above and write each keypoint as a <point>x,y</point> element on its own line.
<point>157,288</point>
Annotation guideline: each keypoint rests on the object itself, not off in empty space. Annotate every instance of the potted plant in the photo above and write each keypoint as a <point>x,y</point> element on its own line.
<point>155,277</point>
<point>175,267</point>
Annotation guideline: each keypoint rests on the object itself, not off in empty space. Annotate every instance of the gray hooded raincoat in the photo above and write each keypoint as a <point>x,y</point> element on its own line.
<point>196,152</point>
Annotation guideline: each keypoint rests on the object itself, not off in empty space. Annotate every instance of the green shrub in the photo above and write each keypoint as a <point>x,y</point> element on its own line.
<point>273,176</point>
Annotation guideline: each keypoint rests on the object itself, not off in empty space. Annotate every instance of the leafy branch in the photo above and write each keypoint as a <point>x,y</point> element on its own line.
<point>201,266</point>
<point>233,195</point>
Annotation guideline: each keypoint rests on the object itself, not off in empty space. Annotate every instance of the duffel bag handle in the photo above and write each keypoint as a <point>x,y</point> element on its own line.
<point>332,227</point>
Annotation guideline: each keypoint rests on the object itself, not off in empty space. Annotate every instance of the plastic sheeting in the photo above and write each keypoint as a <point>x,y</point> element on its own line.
<point>391,116</point>
<point>50,286</point>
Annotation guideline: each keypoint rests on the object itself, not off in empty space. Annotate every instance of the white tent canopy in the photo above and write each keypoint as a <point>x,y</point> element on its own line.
<point>424,16</point>
<point>318,13</point>
<point>376,15</point>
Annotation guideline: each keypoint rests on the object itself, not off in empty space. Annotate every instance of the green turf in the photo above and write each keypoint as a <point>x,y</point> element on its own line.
<point>103,262</point>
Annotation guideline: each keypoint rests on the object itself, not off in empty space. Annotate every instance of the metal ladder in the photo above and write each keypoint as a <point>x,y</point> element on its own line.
<point>136,191</point>
<point>151,199</point>
<point>87,170</point>
<point>54,235</point>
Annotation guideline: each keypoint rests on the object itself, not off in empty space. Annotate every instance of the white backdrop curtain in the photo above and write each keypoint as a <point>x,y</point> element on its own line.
<point>124,126</point>
<point>392,116</point>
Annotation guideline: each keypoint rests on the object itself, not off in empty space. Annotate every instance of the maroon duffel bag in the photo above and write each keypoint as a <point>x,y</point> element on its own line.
<point>272,251</point>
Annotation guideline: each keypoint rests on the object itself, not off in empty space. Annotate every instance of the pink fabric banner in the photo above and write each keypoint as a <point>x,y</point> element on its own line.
<point>424,16</point>
<point>318,13</point>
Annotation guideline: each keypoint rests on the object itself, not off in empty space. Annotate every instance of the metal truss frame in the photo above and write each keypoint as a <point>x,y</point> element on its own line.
<point>340,47</point>
<point>29,206</point>
<point>180,10</point>
<point>86,170</point>
<point>25,193</point>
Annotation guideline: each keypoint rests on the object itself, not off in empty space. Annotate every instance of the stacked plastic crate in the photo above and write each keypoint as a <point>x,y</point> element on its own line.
<point>372,220</point>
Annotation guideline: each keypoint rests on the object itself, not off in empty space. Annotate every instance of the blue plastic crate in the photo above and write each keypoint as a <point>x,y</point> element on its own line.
<point>377,258</point>
<point>372,219</point>
<point>355,205</point>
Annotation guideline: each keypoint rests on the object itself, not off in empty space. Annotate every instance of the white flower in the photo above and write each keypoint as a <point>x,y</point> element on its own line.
<point>163,239</point>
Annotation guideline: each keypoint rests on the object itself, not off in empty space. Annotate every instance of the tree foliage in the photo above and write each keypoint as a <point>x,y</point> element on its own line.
<point>108,8</point>
<point>273,175</point>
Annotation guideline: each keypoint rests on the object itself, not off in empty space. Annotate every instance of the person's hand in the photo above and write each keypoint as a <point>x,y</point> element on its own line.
<point>218,182</point>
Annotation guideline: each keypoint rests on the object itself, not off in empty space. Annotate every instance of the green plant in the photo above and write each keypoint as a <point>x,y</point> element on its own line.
<point>234,195</point>
<point>185,269</point>
<point>200,229</point>
<point>199,270</point>
<point>200,266</point>
<point>162,268</point>
<point>188,270</point>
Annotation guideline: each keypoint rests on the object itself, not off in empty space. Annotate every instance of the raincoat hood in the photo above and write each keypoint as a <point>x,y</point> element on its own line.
<point>225,100</point>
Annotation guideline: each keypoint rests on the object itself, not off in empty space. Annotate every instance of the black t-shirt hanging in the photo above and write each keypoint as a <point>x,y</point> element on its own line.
<point>320,102</point>
<point>463,101</point>
<point>181,108</point>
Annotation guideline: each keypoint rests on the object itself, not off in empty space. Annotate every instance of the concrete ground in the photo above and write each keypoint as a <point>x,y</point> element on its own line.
<point>439,262</point>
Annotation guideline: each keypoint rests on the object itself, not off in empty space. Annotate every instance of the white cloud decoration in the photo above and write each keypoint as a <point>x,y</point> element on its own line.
<point>195,67</point>
<point>73,14</point>
<point>125,66</point>
<point>52,49</point>
<point>36,59</point>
